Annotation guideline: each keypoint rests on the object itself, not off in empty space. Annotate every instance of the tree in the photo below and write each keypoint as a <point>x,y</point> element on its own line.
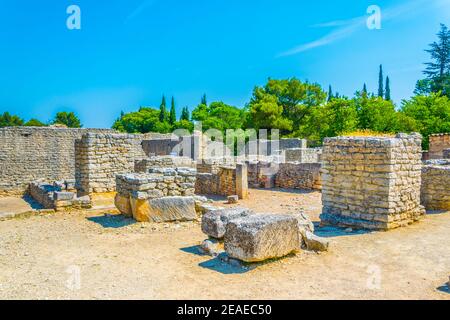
<point>428,114</point>
<point>173,114</point>
<point>376,114</point>
<point>143,121</point>
<point>364,90</point>
<point>330,93</point>
<point>185,114</point>
<point>293,97</point>
<point>380,83</point>
<point>8,120</point>
<point>163,110</point>
<point>440,55</point>
<point>68,119</point>
<point>387,93</point>
<point>203,100</point>
<point>219,115</point>
<point>438,70</point>
<point>35,123</point>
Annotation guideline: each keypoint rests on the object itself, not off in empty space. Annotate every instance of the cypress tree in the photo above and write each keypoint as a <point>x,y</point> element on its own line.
<point>365,89</point>
<point>162,110</point>
<point>380,83</point>
<point>330,93</point>
<point>185,114</point>
<point>173,114</point>
<point>204,101</point>
<point>388,90</point>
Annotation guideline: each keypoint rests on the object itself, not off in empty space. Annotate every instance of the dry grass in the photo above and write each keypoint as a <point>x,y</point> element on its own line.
<point>368,133</point>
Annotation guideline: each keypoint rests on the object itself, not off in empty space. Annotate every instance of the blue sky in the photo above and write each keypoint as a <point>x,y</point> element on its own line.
<point>128,53</point>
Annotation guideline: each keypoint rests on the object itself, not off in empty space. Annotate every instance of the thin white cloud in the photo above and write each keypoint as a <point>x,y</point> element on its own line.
<point>344,28</point>
<point>144,5</point>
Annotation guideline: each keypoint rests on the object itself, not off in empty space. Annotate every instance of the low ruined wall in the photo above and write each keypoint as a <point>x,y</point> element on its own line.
<point>299,176</point>
<point>435,192</point>
<point>227,181</point>
<point>162,182</point>
<point>303,155</point>
<point>446,154</point>
<point>438,143</point>
<point>372,183</point>
<point>145,165</point>
<point>100,157</point>
<point>31,153</point>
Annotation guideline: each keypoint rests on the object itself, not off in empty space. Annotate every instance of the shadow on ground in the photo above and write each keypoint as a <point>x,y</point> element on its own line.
<point>112,221</point>
<point>433,212</point>
<point>224,265</point>
<point>332,232</point>
<point>445,288</point>
<point>32,203</point>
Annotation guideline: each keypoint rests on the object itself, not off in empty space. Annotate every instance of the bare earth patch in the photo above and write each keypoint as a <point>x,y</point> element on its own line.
<point>120,259</point>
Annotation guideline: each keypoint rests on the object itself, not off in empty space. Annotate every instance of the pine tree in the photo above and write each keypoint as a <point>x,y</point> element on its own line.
<point>387,93</point>
<point>330,93</point>
<point>364,89</point>
<point>204,101</point>
<point>163,110</point>
<point>440,54</point>
<point>173,114</point>
<point>380,83</point>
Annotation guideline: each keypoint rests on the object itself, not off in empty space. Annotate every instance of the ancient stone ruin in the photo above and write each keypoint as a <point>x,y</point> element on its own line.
<point>372,183</point>
<point>435,191</point>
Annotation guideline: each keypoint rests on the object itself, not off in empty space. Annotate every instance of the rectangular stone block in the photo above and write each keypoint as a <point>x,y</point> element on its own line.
<point>261,237</point>
<point>214,222</point>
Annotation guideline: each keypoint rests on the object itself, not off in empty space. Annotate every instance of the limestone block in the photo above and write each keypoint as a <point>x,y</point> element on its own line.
<point>261,237</point>
<point>167,209</point>
<point>214,222</point>
<point>123,204</point>
<point>63,196</point>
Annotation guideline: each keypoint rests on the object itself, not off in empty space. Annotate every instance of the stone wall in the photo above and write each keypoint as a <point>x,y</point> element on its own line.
<point>435,192</point>
<point>227,181</point>
<point>100,157</point>
<point>438,143</point>
<point>371,183</point>
<point>299,176</point>
<point>30,153</point>
<point>303,155</point>
<point>446,154</point>
<point>145,165</point>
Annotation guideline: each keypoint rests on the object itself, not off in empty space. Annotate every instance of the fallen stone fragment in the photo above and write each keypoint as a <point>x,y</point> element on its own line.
<point>260,237</point>
<point>211,247</point>
<point>214,222</point>
<point>63,196</point>
<point>315,243</point>
<point>233,199</point>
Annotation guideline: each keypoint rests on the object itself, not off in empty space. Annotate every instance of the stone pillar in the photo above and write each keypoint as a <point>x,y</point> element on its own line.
<point>241,181</point>
<point>372,182</point>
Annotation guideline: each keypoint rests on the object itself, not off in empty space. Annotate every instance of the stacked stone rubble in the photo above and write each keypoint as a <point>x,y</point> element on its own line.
<point>438,143</point>
<point>371,182</point>
<point>147,164</point>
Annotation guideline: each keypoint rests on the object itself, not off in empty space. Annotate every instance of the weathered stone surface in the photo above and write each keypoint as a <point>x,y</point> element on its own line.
<point>63,196</point>
<point>214,222</point>
<point>372,182</point>
<point>165,209</point>
<point>435,190</point>
<point>261,237</point>
<point>123,204</point>
<point>315,243</point>
<point>304,225</point>
<point>233,199</point>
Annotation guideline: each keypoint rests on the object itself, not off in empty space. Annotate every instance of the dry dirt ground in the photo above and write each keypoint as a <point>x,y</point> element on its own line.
<point>91,255</point>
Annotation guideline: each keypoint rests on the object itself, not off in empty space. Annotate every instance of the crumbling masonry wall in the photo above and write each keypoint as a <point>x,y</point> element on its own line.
<point>372,183</point>
<point>100,157</point>
<point>435,191</point>
<point>226,181</point>
<point>439,143</point>
<point>299,176</point>
<point>28,154</point>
